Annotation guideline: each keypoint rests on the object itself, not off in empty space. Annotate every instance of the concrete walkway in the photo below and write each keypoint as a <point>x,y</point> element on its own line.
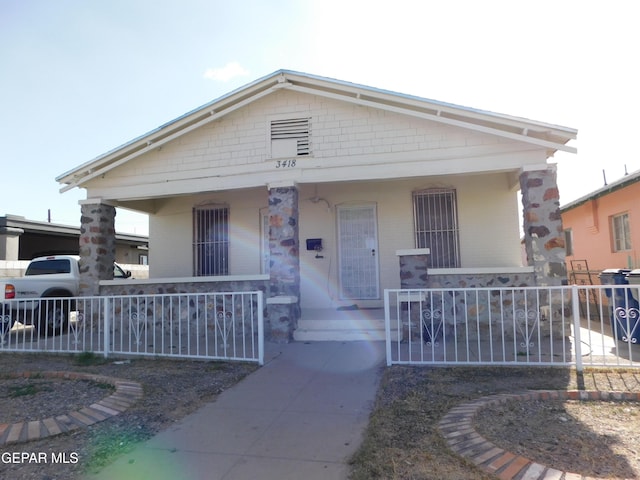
<point>301,416</point>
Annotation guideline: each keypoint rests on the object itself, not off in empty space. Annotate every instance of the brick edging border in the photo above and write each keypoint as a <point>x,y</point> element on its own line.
<point>126,394</point>
<point>457,428</point>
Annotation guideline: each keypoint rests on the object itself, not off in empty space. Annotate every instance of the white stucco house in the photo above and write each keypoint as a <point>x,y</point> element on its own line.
<point>323,193</point>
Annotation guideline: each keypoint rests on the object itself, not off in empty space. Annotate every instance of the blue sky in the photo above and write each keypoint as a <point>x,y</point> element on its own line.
<point>80,77</point>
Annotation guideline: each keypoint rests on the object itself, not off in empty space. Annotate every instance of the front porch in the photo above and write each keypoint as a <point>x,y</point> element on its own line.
<point>323,249</point>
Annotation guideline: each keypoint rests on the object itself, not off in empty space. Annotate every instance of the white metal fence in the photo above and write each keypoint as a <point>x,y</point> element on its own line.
<point>571,325</point>
<point>222,326</point>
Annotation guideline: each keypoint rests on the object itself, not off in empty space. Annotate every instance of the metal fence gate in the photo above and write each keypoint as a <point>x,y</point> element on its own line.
<point>219,326</point>
<point>577,326</point>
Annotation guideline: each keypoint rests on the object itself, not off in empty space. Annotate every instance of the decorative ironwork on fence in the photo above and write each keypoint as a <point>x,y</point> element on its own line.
<point>223,326</point>
<point>572,325</point>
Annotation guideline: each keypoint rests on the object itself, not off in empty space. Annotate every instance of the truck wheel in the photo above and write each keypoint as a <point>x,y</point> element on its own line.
<point>6,321</point>
<point>54,316</point>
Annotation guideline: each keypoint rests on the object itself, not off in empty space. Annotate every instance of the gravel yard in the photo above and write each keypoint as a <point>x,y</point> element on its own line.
<point>598,439</point>
<point>172,389</point>
<point>401,442</point>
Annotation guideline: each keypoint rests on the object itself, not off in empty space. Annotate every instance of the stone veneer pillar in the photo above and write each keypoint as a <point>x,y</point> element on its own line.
<point>413,267</point>
<point>97,246</point>
<point>283,306</point>
<point>542,225</point>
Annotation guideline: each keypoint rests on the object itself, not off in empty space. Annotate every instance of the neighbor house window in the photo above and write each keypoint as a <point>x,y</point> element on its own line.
<point>568,241</point>
<point>210,241</point>
<point>436,226</point>
<point>290,137</point>
<point>621,233</point>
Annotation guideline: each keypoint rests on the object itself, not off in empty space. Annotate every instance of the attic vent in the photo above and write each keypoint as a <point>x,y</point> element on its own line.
<point>290,138</point>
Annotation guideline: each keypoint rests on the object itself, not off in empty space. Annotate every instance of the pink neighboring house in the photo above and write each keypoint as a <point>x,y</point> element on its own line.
<point>603,227</point>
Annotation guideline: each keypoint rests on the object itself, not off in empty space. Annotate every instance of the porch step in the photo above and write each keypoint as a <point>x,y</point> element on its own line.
<point>341,330</point>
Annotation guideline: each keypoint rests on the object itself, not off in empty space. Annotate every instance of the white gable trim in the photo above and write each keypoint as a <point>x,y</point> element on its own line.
<point>513,128</point>
<point>437,117</point>
<point>151,144</point>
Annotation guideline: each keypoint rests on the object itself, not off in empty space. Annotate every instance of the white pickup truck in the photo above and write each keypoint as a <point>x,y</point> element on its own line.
<point>40,297</point>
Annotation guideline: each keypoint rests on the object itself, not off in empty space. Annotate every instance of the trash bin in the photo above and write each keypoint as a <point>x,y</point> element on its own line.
<point>623,307</point>
<point>633,277</point>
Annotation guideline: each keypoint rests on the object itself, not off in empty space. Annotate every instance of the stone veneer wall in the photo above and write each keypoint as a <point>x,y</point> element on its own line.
<point>161,287</point>
<point>186,312</point>
<point>481,280</point>
<point>97,246</point>
<point>505,307</point>
<point>284,267</point>
<point>542,224</point>
<point>284,244</point>
<point>413,271</point>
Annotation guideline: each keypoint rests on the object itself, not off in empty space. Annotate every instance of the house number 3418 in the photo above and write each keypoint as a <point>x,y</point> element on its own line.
<point>285,163</point>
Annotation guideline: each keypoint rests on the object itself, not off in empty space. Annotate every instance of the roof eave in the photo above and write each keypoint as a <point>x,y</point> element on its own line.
<point>74,177</point>
<point>625,181</point>
<point>519,129</point>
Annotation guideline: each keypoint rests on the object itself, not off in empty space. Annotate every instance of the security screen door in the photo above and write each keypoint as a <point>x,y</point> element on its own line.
<point>358,252</point>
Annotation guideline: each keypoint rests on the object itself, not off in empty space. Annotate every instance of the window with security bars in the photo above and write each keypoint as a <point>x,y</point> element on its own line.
<point>290,137</point>
<point>621,232</point>
<point>210,241</point>
<point>436,226</point>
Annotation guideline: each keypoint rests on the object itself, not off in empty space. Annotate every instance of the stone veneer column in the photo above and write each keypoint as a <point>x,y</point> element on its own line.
<point>413,268</point>
<point>542,225</point>
<point>283,307</point>
<point>97,246</point>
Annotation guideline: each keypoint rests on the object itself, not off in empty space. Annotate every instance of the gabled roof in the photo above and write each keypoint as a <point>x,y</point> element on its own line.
<point>625,181</point>
<point>551,137</point>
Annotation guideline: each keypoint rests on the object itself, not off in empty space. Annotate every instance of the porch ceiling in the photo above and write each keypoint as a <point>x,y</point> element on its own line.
<point>148,197</point>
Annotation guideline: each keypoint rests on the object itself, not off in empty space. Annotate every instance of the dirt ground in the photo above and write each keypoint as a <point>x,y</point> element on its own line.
<point>402,441</point>
<point>599,439</point>
<point>596,439</point>
<point>172,389</point>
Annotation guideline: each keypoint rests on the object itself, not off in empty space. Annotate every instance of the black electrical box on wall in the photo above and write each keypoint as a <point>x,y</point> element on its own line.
<point>314,244</point>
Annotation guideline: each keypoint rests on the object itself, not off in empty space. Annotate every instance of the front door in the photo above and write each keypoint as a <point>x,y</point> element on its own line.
<point>358,252</point>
